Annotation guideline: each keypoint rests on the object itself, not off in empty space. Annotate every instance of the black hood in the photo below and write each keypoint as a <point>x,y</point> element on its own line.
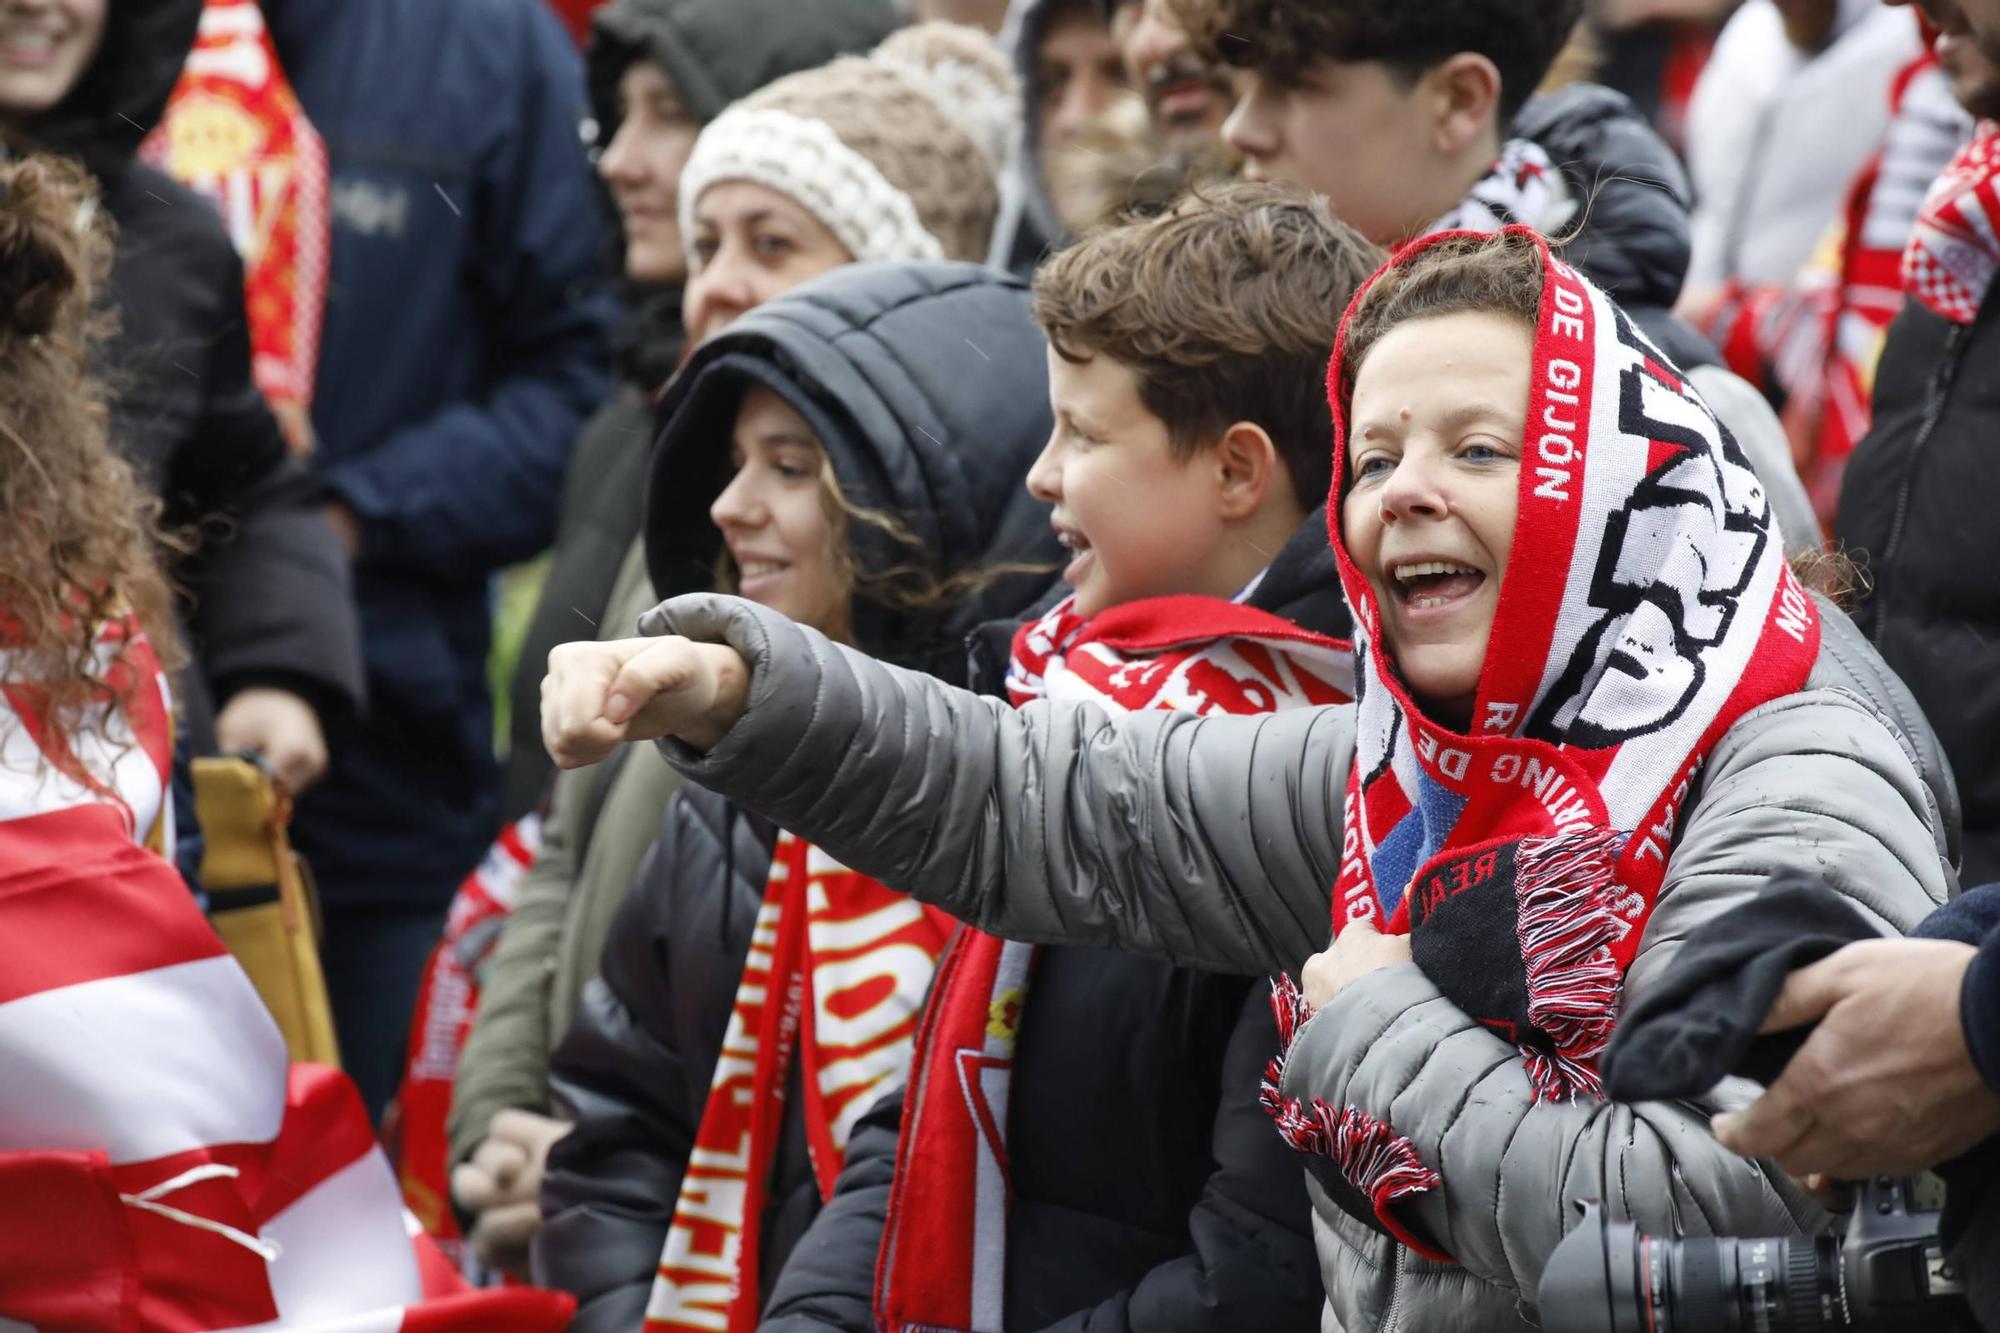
<point>928,386</point>
<point>1635,237</point>
<point>120,97</point>
<point>717,51</point>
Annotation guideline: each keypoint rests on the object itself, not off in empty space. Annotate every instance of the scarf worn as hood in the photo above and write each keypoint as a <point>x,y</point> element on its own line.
<point>1646,606</point>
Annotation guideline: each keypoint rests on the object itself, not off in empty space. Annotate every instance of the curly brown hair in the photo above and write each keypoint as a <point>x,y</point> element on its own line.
<point>79,545</point>
<point>1283,38</point>
<point>1225,309</point>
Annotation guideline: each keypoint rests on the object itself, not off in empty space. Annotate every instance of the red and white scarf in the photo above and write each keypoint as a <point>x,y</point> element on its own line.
<point>1524,187</point>
<point>441,1024</point>
<point>943,1261</point>
<point>234,131</point>
<point>1645,607</point>
<point>1955,250</point>
<point>837,973</point>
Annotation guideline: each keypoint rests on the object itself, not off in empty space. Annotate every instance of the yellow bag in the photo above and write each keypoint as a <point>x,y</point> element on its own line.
<point>261,899</point>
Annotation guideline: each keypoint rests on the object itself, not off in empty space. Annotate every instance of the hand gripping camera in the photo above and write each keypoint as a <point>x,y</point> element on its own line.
<point>1888,1275</point>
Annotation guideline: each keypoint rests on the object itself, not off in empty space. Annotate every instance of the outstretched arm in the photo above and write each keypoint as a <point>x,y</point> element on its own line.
<point>1211,841</point>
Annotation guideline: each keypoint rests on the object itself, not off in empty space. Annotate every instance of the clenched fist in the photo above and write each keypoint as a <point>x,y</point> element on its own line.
<point>598,696</point>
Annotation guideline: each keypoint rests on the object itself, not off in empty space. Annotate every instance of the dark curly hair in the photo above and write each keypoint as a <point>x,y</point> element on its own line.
<point>1225,308</point>
<point>1282,38</point>
<point>79,538</point>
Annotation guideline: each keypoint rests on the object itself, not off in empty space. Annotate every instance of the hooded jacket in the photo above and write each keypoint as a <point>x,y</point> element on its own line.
<point>925,385</point>
<point>715,51</point>
<point>1914,508</point>
<point>268,598</point>
<point>1634,239</point>
<point>464,343</point>
<point>1146,1190</point>
<point>1027,226</point>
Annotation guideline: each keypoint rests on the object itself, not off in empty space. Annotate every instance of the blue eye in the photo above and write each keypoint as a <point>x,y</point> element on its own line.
<point>1372,467</point>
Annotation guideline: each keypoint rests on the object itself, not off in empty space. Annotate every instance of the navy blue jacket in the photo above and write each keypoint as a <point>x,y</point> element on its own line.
<point>465,341</point>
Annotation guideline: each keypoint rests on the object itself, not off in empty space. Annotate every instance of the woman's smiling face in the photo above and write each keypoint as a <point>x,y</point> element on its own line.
<point>1433,472</point>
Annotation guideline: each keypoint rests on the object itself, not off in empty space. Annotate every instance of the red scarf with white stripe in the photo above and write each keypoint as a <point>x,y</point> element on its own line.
<point>837,973</point>
<point>943,1259</point>
<point>1955,250</point>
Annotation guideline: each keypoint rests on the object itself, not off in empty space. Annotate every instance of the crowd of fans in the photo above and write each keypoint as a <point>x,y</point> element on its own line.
<point>952,665</point>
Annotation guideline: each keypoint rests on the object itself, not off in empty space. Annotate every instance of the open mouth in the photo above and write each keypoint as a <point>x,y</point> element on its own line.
<point>28,46</point>
<point>1429,585</point>
<point>1078,546</point>
<point>752,570</point>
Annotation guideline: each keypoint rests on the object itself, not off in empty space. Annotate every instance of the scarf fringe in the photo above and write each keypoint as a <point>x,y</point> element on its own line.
<point>1384,1165</point>
<point>1567,927</point>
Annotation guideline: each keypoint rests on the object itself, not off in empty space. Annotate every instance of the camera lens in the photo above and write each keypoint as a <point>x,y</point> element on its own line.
<point>1701,1286</point>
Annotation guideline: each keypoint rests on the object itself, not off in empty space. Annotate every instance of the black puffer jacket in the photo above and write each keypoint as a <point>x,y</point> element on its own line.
<point>927,386</point>
<point>269,599</point>
<point>1635,236</point>
<point>1916,510</point>
<point>1148,1189</point>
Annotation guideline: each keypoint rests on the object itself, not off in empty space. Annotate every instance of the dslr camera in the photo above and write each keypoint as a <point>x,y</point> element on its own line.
<point>1887,1275</point>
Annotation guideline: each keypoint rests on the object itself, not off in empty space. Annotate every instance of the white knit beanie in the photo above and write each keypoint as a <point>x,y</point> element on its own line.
<point>898,153</point>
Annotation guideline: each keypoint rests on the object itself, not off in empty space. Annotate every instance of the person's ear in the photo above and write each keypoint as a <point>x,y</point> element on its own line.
<point>1246,467</point>
<point>1462,95</point>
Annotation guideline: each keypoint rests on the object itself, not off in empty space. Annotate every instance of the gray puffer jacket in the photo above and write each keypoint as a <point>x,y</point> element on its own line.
<point>1212,840</point>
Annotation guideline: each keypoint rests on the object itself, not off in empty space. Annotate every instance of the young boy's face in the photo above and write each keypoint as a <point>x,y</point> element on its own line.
<point>1433,476</point>
<point>1356,132</point>
<point>1139,521</point>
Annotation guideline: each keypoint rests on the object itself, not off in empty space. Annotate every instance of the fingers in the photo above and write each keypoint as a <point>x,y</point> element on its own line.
<point>1807,994</point>
<point>502,1235</point>
<point>661,667</point>
<point>1772,1126</point>
<point>473,1188</point>
<point>574,728</point>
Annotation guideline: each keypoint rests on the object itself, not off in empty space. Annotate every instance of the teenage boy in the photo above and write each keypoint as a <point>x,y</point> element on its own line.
<point>1418,118</point>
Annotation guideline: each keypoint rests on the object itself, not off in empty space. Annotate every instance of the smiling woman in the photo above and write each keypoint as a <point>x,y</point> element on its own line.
<point>45,45</point>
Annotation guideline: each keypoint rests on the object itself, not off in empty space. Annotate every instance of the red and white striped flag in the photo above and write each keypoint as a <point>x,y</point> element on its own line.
<point>164,1167</point>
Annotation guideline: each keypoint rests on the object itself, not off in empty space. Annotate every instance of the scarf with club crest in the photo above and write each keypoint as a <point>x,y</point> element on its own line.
<point>942,1265</point>
<point>1645,607</point>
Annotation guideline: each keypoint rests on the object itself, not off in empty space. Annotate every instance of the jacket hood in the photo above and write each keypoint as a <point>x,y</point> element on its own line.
<point>1028,216</point>
<point>122,93</point>
<point>716,51</point>
<point>1633,197</point>
<point>927,385</point>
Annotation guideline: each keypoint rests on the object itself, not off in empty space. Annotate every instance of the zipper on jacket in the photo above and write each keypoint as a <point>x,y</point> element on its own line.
<point>1388,1324</point>
<point>1942,379</point>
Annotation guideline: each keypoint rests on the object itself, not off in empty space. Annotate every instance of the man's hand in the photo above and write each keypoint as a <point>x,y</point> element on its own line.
<point>1361,949</point>
<point>281,727</point>
<point>600,695</point>
<point>1884,1085</point>
<point>502,1183</point>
